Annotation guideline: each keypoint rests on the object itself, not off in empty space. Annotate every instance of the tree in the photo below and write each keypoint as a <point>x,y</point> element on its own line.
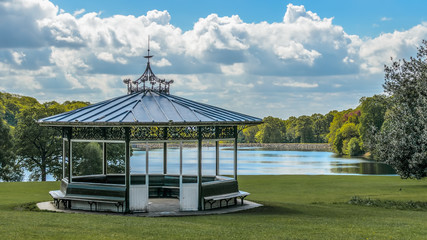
<point>353,147</point>
<point>39,148</point>
<point>87,158</point>
<point>291,125</point>
<point>271,131</point>
<point>343,128</point>
<point>373,111</point>
<point>249,134</point>
<point>402,142</point>
<point>304,129</point>
<point>9,168</point>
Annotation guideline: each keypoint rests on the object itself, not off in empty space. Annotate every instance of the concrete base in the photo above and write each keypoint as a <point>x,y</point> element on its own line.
<point>160,207</point>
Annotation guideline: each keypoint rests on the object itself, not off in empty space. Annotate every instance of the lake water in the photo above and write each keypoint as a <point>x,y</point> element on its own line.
<point>255,161</point>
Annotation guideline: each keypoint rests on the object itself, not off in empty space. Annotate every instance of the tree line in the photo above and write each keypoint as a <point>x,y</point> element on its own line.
<point>24,145</point>
<point>349,132</point>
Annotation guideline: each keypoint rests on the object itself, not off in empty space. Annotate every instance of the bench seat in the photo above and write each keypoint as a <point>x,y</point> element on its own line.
<point>90,193</point>
<point>226,197</point>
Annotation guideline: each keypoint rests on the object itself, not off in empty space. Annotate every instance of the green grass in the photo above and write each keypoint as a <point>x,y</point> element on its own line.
<point>296,207</point>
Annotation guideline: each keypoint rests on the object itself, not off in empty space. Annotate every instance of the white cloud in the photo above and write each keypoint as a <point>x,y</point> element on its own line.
<point>297,52</point>
<point>385,19</point>
<point>108,57</point>
<point>225,60</point>
<point>234,69</point>
<point>376,52</point>
<point>162,63</point>
<point>18,57</point>
<point>79,12</point>
<point>296,84</point>
<point>298,13</point>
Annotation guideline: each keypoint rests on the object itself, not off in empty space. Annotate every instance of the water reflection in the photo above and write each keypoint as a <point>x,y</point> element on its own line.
<point>257,161</point>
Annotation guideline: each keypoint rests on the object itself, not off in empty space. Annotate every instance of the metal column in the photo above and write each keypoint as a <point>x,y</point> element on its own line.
<point>104,158</point>
<point>217,158</point>
<point>127,168</point>
<point>235,152</point>
<point>199,166</point>
<point>64,157</point>
<point>165,158</point>
<point>147,171</point>
<point>165,151</point>
<point>69,155</point>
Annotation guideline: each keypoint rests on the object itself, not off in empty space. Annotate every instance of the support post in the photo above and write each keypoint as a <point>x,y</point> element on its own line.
<point>180,158</point>
<point>165,158</point>
<point>104,158</point>
<point>217,158</point>
<point>180,168</point>
<point>69,155</point>
<point>235,152</point>
<point>147,177</point>
<point>127,168</point>
<point>165,151</point>
<point>199,166</point>
<point>64,156</point>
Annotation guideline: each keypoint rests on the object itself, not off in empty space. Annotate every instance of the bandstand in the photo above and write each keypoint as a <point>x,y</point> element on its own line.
<point>148,114</point>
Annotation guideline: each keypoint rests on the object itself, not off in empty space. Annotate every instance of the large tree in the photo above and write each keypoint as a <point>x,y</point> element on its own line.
<point>373,111</point>
<point>273,130</point>
<point>304,129</point>
<point>402,142</point>
<point>9,168</point>
<point>39,148</point>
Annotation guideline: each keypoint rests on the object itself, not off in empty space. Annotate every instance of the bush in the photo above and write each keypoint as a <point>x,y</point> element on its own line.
<point>354,148</point>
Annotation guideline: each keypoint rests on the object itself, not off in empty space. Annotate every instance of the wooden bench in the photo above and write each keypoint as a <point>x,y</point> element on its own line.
<point>226,197</point>
<point>92,193</point>
<point>59,197</point>
<point>222,190</point>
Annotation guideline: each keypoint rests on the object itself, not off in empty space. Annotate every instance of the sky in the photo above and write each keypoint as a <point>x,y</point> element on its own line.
<point>262,58</point>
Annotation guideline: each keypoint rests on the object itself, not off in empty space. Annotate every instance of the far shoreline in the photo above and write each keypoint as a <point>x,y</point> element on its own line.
<point>320,147</point>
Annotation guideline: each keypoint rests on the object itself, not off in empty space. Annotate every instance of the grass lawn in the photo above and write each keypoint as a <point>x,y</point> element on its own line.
<point>296,207</point>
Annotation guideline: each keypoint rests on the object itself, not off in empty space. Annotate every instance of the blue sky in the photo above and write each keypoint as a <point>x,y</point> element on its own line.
<point>279,58</point>
<point>361,17</point>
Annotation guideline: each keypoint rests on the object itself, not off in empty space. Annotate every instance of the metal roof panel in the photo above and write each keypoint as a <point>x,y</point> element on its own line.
<point>148,107</point>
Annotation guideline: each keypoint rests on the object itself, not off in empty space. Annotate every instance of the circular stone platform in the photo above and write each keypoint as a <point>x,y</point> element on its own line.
<point>159,207</point>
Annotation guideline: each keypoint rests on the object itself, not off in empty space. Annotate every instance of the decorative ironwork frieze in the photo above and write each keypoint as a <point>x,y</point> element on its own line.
<point>150,133</point>
<point>147,133</point>
<point>208,132</point>
<point>182,133</point>
<point>89,133</point>
<point>115,133</point>
<point>226,132</point>
<point>66,132</point>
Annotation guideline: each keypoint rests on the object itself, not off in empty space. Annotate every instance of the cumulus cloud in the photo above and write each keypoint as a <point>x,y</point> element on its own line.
<point>296,84</point>
<point>222,60</point>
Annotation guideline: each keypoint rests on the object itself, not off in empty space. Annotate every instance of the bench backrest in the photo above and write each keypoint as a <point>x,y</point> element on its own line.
<point>219,187</point>
<point>95,189</point>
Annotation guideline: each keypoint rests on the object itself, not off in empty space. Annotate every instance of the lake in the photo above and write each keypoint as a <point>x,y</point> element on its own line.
<point>256,161</point>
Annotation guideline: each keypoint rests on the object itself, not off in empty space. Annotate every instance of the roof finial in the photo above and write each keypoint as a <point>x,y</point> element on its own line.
<point>148,75</point>
<point>148,51</point>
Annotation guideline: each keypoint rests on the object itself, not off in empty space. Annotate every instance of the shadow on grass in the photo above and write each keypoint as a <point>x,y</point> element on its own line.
<point>272,210</point>
<point>31,206</point>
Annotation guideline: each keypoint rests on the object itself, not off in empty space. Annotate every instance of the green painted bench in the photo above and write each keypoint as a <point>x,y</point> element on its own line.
<point>92,193</point>
<point>223,190</point>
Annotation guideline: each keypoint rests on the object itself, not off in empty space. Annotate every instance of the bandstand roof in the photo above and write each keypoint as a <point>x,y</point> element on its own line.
<point>149,108</point>
<point>146,105</point>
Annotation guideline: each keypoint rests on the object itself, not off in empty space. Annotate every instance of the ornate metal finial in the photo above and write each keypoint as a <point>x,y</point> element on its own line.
<point>148,75</point>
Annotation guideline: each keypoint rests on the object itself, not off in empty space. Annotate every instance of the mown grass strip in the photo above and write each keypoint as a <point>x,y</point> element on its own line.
<point>402,205</point>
